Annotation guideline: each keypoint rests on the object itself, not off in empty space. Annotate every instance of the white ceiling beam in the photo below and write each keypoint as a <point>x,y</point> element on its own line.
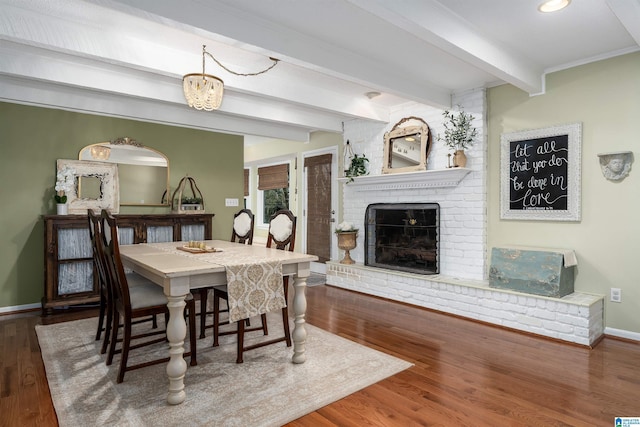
<point>224,19</point>
<point>41,27</point>
<point>435,24</point>
<point>31,63</point>
<point>50,95</point>
<point>628,12</point>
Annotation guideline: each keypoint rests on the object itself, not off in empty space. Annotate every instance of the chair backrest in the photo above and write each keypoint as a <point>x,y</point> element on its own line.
<point>282,230</point>
<point>95,234</point>
<point>243,227</point>
<point>113,262</point>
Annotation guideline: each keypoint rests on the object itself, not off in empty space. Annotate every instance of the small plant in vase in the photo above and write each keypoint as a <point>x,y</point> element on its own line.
<point>347,235</point>
<point>357,167</point>
<point>191,203</point>
<point>459,134</point>
<point>65,181</point>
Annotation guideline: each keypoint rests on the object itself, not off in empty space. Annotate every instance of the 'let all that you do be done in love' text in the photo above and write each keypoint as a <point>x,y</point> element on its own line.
<point>538,173</point>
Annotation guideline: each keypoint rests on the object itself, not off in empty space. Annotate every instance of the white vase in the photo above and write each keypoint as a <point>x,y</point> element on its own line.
<point>62,208</point>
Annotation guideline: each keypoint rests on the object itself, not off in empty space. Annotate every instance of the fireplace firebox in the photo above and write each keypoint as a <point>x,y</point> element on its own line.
<point>403,236</point>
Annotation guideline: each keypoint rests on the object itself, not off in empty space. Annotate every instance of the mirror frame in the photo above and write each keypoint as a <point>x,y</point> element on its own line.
<point>132,142</point>
<point>107,174</point>
<point>400,132</point>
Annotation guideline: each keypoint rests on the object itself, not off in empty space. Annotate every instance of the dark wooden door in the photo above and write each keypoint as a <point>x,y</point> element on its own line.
<point>318,172</point>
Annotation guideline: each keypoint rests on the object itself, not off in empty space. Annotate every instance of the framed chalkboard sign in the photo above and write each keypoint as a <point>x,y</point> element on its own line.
<point>541,174</point>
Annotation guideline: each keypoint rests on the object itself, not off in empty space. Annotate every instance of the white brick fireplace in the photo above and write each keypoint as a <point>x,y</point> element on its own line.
<point>461,287</point>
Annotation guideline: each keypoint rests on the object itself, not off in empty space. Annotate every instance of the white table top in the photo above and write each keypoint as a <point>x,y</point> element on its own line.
<point>164,259</point>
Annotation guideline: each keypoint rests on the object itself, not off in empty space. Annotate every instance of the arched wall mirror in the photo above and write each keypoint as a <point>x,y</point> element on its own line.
<point>406,148</point>
<point>143,172</point>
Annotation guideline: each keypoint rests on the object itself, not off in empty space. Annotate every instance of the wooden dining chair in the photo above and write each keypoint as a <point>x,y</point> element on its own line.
<point>282,235</point>
<point>130,303</point>
<point>105,312</point>
<point>105,315</point>
<point>241,232</point>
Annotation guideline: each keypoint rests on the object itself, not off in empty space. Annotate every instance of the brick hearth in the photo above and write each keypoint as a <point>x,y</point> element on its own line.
<point>576,318</point>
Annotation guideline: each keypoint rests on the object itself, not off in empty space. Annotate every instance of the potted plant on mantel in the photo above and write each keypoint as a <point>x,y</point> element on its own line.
<point>357,167</point>
<point>347,235</point>
<point>458,134</point>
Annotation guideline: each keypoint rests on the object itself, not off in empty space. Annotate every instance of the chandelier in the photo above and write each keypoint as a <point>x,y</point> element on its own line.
<point>204,91</point>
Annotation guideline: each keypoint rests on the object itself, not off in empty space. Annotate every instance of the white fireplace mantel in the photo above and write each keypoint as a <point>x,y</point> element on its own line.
<point>421,179</point>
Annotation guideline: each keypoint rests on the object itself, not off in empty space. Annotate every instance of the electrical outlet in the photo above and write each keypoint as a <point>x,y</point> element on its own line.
<point>616,295</point>
<point>231,202</point>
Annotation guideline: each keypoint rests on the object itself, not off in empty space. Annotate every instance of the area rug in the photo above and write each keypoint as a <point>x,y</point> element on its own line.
<point>266,390</point>
<point>316,279</point>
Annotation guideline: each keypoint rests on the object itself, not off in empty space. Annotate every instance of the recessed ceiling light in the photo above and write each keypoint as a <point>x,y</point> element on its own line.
<point>553,5</point>
<point>372,95</point>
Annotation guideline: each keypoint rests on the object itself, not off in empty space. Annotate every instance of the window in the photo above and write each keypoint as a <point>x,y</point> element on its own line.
<point>273,183</point>
<point>273,201</point>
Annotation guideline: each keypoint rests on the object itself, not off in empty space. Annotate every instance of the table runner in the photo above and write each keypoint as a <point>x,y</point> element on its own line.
<point>254,285</point>
<point>254,289</point>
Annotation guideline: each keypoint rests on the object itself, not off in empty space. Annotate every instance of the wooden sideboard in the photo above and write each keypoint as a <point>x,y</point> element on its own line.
<point>68,256</point>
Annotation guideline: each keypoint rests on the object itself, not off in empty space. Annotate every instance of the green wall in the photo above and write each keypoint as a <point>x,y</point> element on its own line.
<point>605,97</point>
<point>33,138</point>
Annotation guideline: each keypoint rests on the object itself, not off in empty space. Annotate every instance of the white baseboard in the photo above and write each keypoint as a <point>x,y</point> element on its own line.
<point>621,333</point>
<point>13,308</point>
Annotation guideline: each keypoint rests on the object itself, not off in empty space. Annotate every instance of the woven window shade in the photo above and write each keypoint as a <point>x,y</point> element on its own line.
<point>317,160</point>
<point>246,182</point>
<point>273,177</point>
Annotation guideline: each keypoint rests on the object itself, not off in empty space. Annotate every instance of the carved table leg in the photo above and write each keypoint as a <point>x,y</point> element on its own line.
<point>299,308</point>
<point>176,333</point>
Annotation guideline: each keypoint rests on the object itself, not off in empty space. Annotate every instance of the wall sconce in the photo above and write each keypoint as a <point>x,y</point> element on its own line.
<point>616,165</point>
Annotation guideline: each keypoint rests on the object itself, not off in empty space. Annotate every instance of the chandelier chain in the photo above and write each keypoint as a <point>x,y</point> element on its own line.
<point>204,51</point>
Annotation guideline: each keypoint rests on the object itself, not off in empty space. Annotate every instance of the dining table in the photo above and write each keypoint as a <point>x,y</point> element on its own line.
<point>179,269</point>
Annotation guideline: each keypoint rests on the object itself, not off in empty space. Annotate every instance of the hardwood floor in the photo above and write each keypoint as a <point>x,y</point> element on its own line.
<point>465,373</point>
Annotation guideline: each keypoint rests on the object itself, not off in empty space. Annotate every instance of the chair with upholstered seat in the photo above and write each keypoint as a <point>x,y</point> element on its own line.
<point>133,302</point>
<point>242,232</point>
<point>282,234</point>
<point>105,315</point>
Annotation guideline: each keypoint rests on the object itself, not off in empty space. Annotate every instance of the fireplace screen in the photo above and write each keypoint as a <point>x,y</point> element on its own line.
<point>403,236</point>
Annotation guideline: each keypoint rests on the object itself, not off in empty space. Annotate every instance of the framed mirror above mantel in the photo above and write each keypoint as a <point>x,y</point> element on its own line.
<point>143,172</point>
<point>406,148</point>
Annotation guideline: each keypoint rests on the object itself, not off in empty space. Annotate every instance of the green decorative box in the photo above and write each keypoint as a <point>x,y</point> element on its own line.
<point>538,271</point>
